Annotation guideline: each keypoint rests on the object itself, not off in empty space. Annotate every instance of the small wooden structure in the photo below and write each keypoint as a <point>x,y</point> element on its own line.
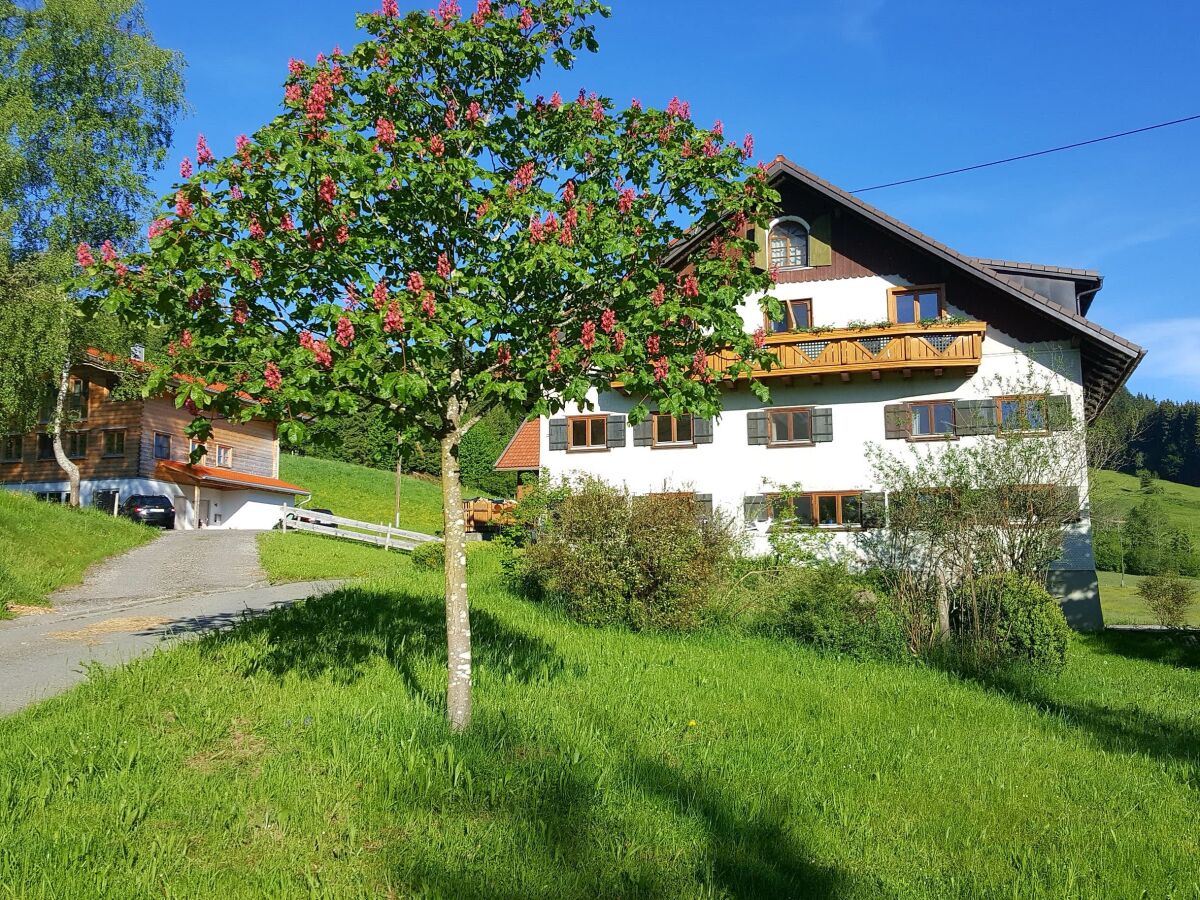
<point>483,515</point>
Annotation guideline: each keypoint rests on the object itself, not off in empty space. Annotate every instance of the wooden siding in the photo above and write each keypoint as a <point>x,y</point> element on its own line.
<point>104,414</point>
<point>255,450</point>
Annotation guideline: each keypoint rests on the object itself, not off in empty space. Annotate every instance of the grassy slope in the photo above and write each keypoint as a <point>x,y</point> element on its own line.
<point>1117,493</point>
<point>368,495</point>
<point>44,546</point>
<point>304,755</point>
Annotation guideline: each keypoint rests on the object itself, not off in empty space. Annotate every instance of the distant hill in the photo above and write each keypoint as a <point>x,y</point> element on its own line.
<point>1114,494</point>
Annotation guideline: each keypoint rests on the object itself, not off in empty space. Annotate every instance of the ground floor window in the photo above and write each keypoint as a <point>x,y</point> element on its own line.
<point>1023,414</point>
<point>77,444</point>
<point>840,509</point>
<point>673,430</point>
<point>587,432</point>
<point>114,443</point>
<point>11,448</point>
<point>935,419</point>
<point>45,448</point>
<point>790,426</point>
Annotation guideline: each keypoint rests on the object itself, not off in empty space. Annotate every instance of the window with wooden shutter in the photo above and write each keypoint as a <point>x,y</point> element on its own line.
<point>702,430</point>
<point>754,508</point>
<point>933,419</point>
<point>789,245</point>
<point>673,431</point>
<point>820,241</point>
<point>756,427</point>
<point>616,431</point>
<point>974,417</point>
<point>587,432</point>
<point>643,432</point>
<point>822,419</point>
<point>791,426</point>
<point>896,421</point>
<point>1023,414</point>
<point>558,434</point>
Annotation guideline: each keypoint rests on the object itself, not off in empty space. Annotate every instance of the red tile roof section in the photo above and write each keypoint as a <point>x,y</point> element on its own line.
<point>524,451</point>
<point>225,479</point>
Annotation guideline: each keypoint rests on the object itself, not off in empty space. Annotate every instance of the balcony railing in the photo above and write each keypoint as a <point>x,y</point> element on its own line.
<point>844,351</point>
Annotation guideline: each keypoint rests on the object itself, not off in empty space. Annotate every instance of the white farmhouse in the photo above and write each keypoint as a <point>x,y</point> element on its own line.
<point>861,362</point>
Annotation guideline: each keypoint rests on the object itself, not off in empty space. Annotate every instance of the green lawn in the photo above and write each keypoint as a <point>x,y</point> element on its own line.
<point>45,546</point>
<point>1122,605</point>
<point>305,755</point>
<point>1114,493</point>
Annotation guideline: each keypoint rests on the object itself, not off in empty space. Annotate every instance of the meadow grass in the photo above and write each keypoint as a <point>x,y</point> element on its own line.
<point>45,546</point>
<point>357,492</point>
<point>304,755</point>
<point>1115,493</point>
<point>1123,606</point>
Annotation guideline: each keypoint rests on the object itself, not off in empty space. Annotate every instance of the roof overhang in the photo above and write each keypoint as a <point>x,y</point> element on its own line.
<point>223,479</point>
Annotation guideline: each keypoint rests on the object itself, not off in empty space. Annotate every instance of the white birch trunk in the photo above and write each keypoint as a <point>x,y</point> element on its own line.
<point>458,620</point>
<point>72,470</point>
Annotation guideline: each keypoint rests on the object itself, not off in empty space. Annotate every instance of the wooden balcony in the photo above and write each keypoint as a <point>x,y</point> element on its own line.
<point>844,351</point>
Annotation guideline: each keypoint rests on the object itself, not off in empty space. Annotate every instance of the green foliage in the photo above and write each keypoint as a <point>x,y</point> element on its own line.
<point>612,559</point>
<point>1123,606</point>
<point>1011,619</point>
<point>87,106</point>
<point>482,446</point>
<point>827,606</point>
<point>804,774</point>
<point>34,320</point>
<point>45,546</point>
<point>429,557</point>
<point>1138,434</point>
<point>1169,597</point>
<point>1153,546</point>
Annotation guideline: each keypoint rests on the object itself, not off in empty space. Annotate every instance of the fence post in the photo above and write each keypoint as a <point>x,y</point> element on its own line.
<point>387,543</point>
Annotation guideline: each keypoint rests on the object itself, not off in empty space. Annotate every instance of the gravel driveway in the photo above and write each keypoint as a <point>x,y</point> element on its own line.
<point>176,564</point>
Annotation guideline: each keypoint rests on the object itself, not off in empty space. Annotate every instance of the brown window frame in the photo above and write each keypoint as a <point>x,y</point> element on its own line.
<point>228,464</point>
<point>807,245</point>
<point>789,317</point>
<point>110,454</point>
<point>73,452</point>
<point>154,447</point>
<point>1044,399</point>
<point>674,442</point>
<point>4,443</point>
<point>45,439</point>
<point>771,442</point>
<point>952,434</point>
<point>589,447</point>
<point>895,293</point>
<point>813,499</point>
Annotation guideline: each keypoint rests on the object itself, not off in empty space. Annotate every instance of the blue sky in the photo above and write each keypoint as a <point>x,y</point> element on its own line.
<point>863,92</point>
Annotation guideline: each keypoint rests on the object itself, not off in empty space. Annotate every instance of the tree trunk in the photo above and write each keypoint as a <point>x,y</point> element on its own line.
<point>399,472</point>
<point>458,621</point>
<point>72,470</point>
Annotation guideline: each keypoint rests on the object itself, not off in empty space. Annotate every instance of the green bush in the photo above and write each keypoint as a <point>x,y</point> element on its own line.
<point>833,609</point>
<point>614,559</point>
<point>430,556</point>
<point>1006,619</point>
<point>1169,598</point>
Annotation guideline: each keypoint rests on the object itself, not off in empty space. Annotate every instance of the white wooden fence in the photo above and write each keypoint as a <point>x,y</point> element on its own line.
<point>384,536</point>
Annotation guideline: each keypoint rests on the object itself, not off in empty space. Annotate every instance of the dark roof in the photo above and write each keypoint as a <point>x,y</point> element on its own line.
<point>1036,267</point>
<point>1108,358</point>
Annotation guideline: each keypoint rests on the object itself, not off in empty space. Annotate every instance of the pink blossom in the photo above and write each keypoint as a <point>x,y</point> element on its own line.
<point>678,109</point>
<point>448,10</point>
<point>619,341</point>
<point>350,298</point>
<point>597,111</point>
<point>482,210</point>
<point>319,98</point>
<point>566,236</point>
<point>380,293</point>
<point>296,66</point>
<point>652,344</point>
<point>718,128</point>
<point>256,229</point>
<point>686,151</point>
<point>608,319</point>
<point>190,405</point>
<point>241,312</point>
<point>443,265</point>
<point>185,168</point>
<point>293,94</point>
<point>393,320</point>
<point>760,338</point>
<point>569,193</point>
<point>235,193</point>
<point>482,10</point>
<point>320,352</point>
<point>524,176</point>
<point>343,233</point>
<point>661,368</point>
<point>691,287</point>
<point>587,337</point>
<point>345,331</point>
<point>625,201</point>
<point>391,9</point>
<point>286,222</point>
<point>83,255</point>
<point>327,191</point>
<point>537,233</point>
<point>451,117</point>
<point>316,240</point>
<point>711,148</point>
<point>636,104</point>
<point>526,20</point>
<point>748,146</point>
<point>428,306</point>
<point>242,143</point>
<point>658,295</point>
<point>257,269</point>
<point>383,59</point>
<point>556,100</point>
<point>108,252</point>
<point>436,145</point>
<point>503,357</point>
<point>185,339</point>
<point>774,274</point>
<point>183,206</point>
<point>416,283</point>
<point>203,153</point>
<point>157,227</point>
<point>385,132</point>
<point>555,365</point>
<point>473,112</point>
<point>699,362</point>
<point>306,339</point>
<point>272,377</point>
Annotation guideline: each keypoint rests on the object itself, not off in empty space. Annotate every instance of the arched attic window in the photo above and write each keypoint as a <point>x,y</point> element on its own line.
<point>789,244</point>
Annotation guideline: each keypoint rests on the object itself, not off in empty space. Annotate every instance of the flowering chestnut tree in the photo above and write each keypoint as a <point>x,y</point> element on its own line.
<point>415,232</point>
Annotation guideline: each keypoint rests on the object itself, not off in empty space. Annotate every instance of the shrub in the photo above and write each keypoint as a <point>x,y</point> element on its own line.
<point>1169,598</point>
<point>430,556</point>
<point>609,558</point>
<point>828,607</point>
<point>1004,619</point>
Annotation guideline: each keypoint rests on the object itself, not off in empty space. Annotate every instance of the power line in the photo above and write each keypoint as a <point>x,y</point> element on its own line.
<point>1000,162</point>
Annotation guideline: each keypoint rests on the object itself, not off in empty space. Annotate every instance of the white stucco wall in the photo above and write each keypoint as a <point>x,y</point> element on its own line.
<point>730,469</point>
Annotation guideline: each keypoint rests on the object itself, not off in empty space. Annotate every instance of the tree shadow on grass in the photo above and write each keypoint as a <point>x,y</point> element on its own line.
<point>339,635</point>
<point>1171,648</point>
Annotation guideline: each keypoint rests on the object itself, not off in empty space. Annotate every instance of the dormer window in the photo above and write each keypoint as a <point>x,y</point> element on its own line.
<point>789,244</point>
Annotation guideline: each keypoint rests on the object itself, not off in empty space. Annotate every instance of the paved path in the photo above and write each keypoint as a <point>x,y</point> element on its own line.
<point>182,584</point>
